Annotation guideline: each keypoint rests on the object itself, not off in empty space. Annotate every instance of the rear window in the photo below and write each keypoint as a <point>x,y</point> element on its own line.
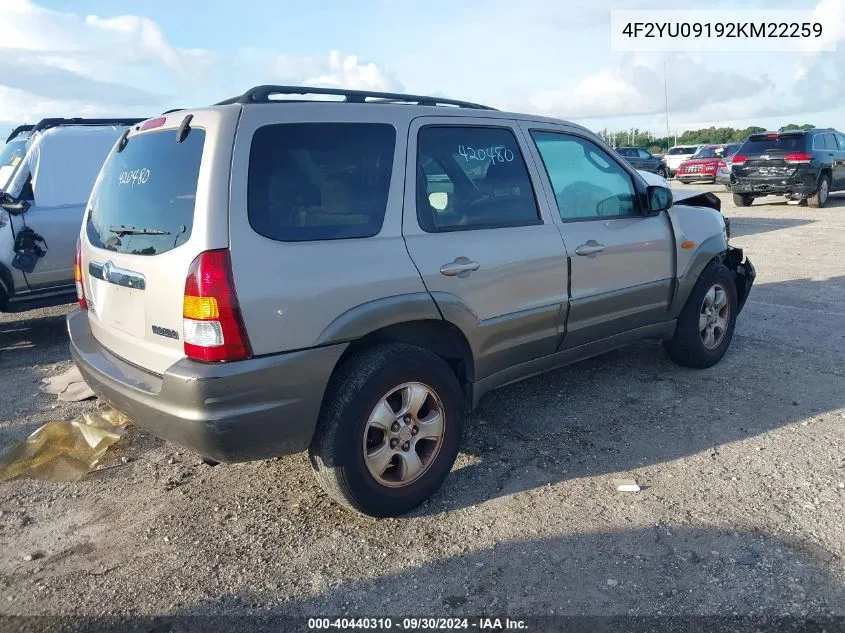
<point>319,181</point>
<point>763,144</point>
<point>143,202</point>
<point>11,154</point>
<point>674,151</point>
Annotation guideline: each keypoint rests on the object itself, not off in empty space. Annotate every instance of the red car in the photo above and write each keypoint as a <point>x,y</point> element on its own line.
<point>703,166</point>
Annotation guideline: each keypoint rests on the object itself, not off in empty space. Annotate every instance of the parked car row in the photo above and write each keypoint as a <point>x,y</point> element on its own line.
<point>265,276</point>
<point>804,166</point>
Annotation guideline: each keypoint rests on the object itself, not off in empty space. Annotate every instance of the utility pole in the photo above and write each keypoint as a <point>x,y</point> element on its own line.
<point>666,97</point>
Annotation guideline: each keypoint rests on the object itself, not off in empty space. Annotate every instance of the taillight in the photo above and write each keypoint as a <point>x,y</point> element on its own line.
<point>722,163</point>
<point>739,159</point>
<point>212,324</point>
<point>798,157</point>
<point>77,276</point>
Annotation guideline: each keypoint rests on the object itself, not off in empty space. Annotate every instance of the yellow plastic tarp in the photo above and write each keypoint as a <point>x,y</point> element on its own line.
<point>63,450</point>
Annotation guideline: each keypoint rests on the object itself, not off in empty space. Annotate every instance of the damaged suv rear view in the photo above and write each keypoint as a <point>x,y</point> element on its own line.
<point>801,165</point>
<point>275,274</point>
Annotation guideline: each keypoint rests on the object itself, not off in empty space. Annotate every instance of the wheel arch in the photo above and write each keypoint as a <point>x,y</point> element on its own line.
<point>413,319</point>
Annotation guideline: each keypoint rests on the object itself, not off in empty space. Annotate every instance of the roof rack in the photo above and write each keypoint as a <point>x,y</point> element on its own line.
<point>46,124</point>
<point>172,111</point>
<point>19,130</point>
<point>261,94</point>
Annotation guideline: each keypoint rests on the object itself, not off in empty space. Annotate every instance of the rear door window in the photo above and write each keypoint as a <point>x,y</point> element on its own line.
<point>472,177</point>
<point>144,198</point>
<point>319,181</point>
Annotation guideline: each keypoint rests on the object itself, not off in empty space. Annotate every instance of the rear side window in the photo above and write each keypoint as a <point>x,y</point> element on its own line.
<point>472,178</point>
<point>762,144</point>
<point>319,181</point>
<point>144,198</point>
<point>841,140</point>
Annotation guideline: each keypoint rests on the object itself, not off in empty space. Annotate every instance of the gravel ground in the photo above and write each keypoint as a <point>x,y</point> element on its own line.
<point>741,467</point>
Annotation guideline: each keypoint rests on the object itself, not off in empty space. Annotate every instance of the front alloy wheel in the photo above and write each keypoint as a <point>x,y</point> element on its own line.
<point>715,315</point>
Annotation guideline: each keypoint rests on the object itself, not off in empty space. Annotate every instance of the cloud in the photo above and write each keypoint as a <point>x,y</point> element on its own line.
<point>59,63</point>
<point>335,71</point>
<point>636,87</point>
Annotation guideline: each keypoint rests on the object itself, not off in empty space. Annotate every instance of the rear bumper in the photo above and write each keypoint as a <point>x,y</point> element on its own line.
<point>723,178</point>
<point>802,185</point>
<point>230,412</point>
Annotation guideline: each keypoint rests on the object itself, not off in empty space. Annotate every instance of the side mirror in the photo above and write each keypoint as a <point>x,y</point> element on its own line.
<point>659,199</point>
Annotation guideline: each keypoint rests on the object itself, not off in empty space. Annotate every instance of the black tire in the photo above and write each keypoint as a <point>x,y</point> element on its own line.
<point>743,199</point>
<point>822,194</point>
<point>336,451</point>
<point>663,172</point>
<point>686,346</point>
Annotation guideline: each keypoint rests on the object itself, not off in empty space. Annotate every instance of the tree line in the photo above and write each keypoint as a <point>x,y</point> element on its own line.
<point>716,135</point>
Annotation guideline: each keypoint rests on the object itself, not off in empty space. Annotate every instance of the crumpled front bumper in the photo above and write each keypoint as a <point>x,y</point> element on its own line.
<point>744,273</point>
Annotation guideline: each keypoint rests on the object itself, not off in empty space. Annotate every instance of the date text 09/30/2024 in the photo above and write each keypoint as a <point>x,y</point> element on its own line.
<point>417,624</point>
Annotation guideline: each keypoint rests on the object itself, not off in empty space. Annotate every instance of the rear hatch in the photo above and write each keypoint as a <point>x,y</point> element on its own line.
<point>772,156</point>
<point>157,204</point>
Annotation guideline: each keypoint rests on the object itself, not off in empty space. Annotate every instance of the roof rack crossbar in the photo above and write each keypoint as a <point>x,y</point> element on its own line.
<point>261,94</point>
<point>45,124</point>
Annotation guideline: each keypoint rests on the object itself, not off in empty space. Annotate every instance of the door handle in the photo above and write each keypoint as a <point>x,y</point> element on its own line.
<point>461,267</point>
<point>590,249</point>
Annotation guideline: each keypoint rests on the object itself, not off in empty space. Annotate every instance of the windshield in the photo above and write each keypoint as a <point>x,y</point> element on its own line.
<point>764,143</point>
<point>675,151</point>
<point>143,202</point>
<point>11,155</point>
<point>709,152</point>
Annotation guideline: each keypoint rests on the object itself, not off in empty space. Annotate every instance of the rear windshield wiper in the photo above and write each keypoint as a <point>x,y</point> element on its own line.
<point>125,230</point>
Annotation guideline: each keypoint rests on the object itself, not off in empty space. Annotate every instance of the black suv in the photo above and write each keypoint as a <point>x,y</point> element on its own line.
<point>639,158</point>
<point>798,164</point>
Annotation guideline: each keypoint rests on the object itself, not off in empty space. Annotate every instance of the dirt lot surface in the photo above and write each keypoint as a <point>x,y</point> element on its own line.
<point>741,466</point>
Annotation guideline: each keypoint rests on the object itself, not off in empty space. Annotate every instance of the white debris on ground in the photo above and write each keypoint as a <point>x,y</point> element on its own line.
<point>69,386</point>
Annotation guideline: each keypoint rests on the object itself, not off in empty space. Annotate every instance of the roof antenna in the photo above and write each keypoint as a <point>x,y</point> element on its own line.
<point>184,128</point>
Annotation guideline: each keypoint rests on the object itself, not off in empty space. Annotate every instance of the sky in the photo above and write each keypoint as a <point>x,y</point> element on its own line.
<point>551,57</point>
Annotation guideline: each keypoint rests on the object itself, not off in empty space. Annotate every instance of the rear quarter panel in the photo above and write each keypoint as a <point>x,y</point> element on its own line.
<point>291,293</point>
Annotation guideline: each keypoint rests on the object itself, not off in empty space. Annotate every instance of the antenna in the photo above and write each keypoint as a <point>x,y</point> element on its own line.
<point>666,96</point>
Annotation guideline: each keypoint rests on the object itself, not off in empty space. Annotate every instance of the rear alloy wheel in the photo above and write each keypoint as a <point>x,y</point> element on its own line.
<point>389,431</point>
<point>819,199</point>
<point>706,324</point>
<point>663,172</point>
<point>743,199</point>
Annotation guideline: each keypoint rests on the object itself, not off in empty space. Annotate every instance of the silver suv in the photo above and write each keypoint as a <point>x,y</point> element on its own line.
<point>47,171</point>
<point>265,276</point>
